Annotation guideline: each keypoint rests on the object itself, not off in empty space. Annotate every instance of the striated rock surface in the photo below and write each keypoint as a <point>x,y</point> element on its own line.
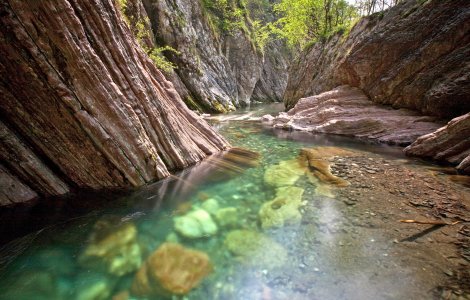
<point>83,106</point>
<point>347,111</point>
<point>415,55</point>
<point>450,143</point>
<point>171,269</point>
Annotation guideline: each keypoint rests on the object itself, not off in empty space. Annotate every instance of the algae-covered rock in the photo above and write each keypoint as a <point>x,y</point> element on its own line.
<point>112,247</point>
<point>284,209</point>
<point>227,216</point>
<point>195,224</point>
<point>285,173</point>
<point>171,269</point>
<point>255,249</point>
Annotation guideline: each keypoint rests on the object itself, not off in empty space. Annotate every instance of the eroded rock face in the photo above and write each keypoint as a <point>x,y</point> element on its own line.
<point>347,111</point>
<point>414,55</point>
<point>450,143</point>
<point>216,71</point>
<point>82,104</point>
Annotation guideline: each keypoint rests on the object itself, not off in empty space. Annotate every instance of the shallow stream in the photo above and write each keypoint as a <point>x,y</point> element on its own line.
<point>327,245</point>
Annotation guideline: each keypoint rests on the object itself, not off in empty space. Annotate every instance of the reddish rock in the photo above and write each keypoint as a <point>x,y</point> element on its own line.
<point>171,269</point>
<point>347,111</point>
<point>415,55</point>
<point>450,143</point>
<point>85,105</point>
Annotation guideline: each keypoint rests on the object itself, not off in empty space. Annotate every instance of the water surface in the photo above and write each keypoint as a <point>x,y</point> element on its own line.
<point>333,252</point>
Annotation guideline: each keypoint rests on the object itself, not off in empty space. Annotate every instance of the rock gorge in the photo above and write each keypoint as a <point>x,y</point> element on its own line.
<point>217,69</point>
<point>83,106</point>
<point>413,56</point>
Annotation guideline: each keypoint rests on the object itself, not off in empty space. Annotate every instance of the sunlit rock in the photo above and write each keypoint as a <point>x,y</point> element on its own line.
<point>112,247</point>
<point>227,216</point>
<point>285,173</point>
<point>255,249</point>
<point>195,224</point>
<point>171,269</point>
<point>284,209</point>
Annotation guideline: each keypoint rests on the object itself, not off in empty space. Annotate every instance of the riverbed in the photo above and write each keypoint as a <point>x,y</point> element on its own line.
<point>279,227</point>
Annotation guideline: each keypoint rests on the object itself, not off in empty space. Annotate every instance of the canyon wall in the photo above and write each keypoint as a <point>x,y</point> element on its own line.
<point>217,69</point>
<point>415,55</point>
<point>82,106</point>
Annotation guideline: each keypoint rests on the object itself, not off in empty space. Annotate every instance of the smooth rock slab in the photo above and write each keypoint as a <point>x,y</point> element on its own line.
<point>347,111</point>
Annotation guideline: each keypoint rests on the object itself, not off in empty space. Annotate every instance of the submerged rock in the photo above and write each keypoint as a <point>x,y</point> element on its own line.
<point>227,216</point>
<point>282,210</point>
<point>195,224</point>
<point>171,269</point>
<point>348,111</point>
<point>286,173</point>
<point>112,247</point>
<point>93,286</point>
<point>255,249</point>
<point>210,205</point>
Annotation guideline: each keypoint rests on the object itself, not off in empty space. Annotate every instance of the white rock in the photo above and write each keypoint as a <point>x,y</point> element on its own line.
<point>195,224</point>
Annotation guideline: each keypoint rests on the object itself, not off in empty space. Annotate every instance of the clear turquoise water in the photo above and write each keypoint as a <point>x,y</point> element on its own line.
<point>328,257</point>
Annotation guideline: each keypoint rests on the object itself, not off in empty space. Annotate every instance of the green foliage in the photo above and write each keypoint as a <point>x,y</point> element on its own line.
<point>156,55</point>
<point>304,21</point>
<point>141,30</point>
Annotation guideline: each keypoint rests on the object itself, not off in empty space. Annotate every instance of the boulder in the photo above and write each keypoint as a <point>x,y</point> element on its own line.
<point>112,247</point>
<point>450,143</point>
<point>171,269</point>
<point>195,224</point>
<point>227,217</point>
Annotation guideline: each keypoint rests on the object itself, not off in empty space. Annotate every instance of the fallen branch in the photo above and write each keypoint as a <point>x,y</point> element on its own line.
<point>431,222</point>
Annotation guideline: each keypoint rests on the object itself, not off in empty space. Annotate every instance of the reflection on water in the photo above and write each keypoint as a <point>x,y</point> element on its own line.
<point>256,222</point>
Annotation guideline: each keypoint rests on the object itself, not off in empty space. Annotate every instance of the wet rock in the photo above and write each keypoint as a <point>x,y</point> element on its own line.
<point>171,269</point>
<point>282,210</point>
<point>112,247</point>
<point>285,173</point>
<point>227,217</point>
<point>211,206</point>
<point>255,249</point>
<point>93,286</point>
<point>195,224</point>
<point>347,111</point>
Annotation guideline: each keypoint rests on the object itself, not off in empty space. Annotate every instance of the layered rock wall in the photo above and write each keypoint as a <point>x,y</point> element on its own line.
<point>415,55</point>
<point>218,71</point>
<point>82,106</point>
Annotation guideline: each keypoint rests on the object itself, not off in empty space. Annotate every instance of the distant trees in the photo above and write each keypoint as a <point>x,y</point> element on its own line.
<point>367,7</point>
<point>305,21</point>
<point>302,21</point>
